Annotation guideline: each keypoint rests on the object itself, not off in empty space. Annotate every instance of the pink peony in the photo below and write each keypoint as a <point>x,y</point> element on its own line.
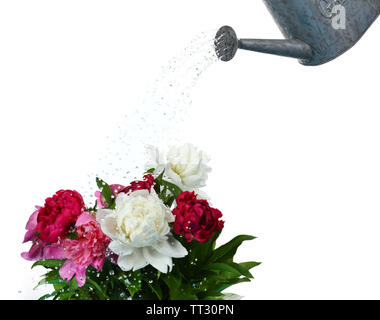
<point>59,215</point>
<point>89,248</point>
<point>39,249</point>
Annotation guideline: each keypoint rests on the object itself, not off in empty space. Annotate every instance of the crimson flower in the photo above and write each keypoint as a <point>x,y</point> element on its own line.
<point>59,215</point>
<point>195,219</point>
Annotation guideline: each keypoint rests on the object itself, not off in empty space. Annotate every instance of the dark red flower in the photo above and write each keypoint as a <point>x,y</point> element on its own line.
<point>195,218</point>
<point>59,215</point>
<point>145,184</point>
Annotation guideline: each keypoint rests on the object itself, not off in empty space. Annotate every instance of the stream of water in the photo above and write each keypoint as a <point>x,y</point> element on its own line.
<point>158,120</point>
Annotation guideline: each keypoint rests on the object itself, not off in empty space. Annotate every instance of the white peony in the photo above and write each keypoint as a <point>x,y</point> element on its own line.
<point>186,165</point>
<point>140,232</point>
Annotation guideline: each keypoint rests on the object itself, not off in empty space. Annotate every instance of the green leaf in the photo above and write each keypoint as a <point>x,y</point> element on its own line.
<point>228,250</point>
<point>73,285</point>
<point>160,177</point>
<point>177,289</point>
<point>169,201</point>
<point>133,282</point>
<point>174,190</point>
<point>203,251</point>
<point>40,283</point>
<point>49,263</point>
<point>92,209</point>
<point>47,296</point>
<point>155,287</point>
<point>151,277</point>
<point>249,265</point>
<point>223,267</point>
<point>243,271</point>
<point>53,277</point>
<point>64,295</point>
<point>162,195</point>
<point>226,284</point>
<point>150,171</point>
<point>158,182</point>
<point>213,298</point>
<point>106,192</point>
<point>59,285</point>
<point>212,295</point>
<point>92,284</point>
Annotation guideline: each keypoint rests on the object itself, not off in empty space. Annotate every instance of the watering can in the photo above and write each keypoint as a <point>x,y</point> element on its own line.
<point>316,31</point>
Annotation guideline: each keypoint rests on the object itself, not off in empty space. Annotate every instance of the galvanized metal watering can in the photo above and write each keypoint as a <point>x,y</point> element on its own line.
<point>316,31</point>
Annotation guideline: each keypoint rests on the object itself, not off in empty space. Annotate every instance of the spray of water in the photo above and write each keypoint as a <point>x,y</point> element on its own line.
<point>158,120</point>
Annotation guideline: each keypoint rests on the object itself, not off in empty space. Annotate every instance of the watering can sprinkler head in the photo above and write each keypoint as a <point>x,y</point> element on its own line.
<point>316,31</point>
<point>226,43</point>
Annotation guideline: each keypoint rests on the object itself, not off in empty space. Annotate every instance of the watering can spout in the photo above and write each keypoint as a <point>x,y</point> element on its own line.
<point>315,31</point>
<point>227,43</point>
<point>291,48</point>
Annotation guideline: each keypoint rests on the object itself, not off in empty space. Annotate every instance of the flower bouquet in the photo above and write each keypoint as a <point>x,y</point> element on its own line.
<point>154,239</point>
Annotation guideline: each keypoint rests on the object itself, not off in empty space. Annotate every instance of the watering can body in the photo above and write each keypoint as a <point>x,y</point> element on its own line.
<point>309,30</point>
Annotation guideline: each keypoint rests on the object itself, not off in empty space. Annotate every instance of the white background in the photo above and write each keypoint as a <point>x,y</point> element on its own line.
<point>295,150</point>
